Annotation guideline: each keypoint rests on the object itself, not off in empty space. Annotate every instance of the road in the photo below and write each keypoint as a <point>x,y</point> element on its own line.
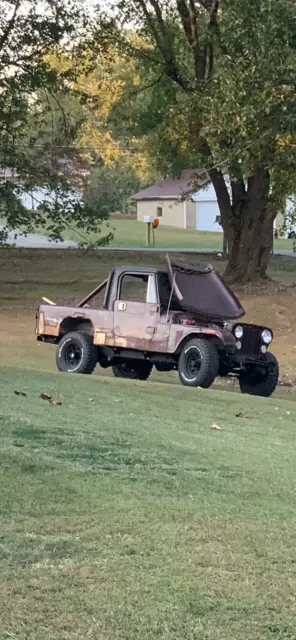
<point>37,241</point>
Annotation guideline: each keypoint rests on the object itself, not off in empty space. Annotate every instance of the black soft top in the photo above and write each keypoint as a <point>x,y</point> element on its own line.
<point>201,290</point>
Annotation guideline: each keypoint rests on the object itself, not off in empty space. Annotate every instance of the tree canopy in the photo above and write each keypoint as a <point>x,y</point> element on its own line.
<point>35,126</point>
<point>216,89</point>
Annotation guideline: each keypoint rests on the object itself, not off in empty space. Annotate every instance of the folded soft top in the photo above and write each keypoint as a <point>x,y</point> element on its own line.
<point>202,291</point>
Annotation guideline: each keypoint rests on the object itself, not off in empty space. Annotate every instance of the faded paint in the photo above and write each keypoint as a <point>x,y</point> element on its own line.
<point>133,325</point>
<point>191,214</point>
<point>172,211</point>
<point>179,332</point>
<point>100,337</point>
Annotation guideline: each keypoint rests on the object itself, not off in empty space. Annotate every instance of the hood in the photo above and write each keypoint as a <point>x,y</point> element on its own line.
<point>202,291</point>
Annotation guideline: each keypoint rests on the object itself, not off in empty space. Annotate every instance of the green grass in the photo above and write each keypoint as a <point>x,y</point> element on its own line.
<point>131,233</point>
<point>124,515</point>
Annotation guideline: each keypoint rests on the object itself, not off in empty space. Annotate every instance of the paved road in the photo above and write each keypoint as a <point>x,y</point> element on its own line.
<point>37,241</point>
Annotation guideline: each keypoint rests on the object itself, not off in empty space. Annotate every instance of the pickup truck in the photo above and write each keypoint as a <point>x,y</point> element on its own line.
<point>180,318</point>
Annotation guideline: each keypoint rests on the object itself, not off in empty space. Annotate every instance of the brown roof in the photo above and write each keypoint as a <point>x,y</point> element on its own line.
<point>188,183</point>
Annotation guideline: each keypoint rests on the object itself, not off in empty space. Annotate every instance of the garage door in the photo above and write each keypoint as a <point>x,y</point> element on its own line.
<point>206,214</point>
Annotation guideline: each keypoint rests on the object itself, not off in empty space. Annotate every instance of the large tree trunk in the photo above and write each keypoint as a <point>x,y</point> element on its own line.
<point>247,225</point>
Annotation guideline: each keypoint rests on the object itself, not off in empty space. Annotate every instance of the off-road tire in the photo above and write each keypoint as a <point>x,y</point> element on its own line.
<point>254,384</point>
<point>207,358</point>
<point>132,371</point>
<point>86,353</point>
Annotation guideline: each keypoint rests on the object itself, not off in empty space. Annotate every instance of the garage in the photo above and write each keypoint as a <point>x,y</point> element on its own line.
<point>206,216</point>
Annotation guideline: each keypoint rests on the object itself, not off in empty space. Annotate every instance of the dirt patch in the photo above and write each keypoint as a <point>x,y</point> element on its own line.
<point>278,312</point>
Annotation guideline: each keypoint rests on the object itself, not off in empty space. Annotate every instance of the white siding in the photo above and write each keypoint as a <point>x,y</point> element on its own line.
<point>206,213</point>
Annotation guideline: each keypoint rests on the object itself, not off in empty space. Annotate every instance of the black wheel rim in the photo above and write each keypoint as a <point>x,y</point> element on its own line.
<point>193,364</point>
<point>72,355</point>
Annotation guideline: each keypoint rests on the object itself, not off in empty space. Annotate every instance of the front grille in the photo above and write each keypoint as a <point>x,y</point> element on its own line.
<point>251,340</point>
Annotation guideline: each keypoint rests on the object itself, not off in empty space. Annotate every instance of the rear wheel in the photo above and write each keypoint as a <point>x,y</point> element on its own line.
<point>198,363</point>
<point>76,353</point>
<point>260,380</point>
<point>132,370</point>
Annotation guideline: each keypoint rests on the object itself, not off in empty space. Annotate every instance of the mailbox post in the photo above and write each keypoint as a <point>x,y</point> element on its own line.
<point>148,221</point>
<point>151,225</point>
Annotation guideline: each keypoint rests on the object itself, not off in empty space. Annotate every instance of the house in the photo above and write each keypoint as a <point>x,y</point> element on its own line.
<point>187,202</point>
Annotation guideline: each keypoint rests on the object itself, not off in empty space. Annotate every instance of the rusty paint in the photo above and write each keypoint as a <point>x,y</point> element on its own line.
<point>121,342</point>
<point>99,338</point>
<point>51,331</point>
<point>52,322</point>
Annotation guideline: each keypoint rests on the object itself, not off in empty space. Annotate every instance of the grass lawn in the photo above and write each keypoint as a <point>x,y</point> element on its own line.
<point>131,233</point>
<point>124,515</point>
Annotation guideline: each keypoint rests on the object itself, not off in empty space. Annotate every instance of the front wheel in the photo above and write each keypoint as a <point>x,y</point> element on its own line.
<point>132,370</point>
<point>76,353</point>
<point>260,380</point>
<point>198,363</point>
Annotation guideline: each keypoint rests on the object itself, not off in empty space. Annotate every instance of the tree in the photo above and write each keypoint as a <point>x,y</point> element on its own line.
<point>119,163</point>
<point>220,78</point>
<point>111,187</point>
<point>32,113</point>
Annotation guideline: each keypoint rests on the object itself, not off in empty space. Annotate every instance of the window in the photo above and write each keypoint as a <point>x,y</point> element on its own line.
<point>151,291</point>
<point>159,212</point>
<point>133,288</point>
<point>138,288</point>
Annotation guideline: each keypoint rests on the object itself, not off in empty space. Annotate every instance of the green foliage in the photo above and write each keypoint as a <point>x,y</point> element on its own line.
<point>230,100</point>
<point>217,90</point>
<point>39,117</point>
<point>111,188</point>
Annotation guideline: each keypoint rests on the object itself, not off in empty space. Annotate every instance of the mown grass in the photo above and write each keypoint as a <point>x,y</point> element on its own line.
<point>131,233</point>
<point>124,515</point>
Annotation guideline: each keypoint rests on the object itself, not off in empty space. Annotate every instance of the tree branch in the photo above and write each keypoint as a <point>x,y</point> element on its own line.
<point>147,86</point>
<point>223,198</point>
<point>164,43</point>
<point>10,25</point>
<point>189,17</point>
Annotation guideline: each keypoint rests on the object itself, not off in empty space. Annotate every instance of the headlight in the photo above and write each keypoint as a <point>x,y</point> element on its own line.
<point>238,332</point>
<point>266,336</point>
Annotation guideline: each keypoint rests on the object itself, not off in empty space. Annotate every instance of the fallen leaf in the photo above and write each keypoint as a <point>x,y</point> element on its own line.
<point>44,396</point>
<point>57,403</point>
<point>50,399</point>
<point>20,393</point>
<point>216,426</point>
